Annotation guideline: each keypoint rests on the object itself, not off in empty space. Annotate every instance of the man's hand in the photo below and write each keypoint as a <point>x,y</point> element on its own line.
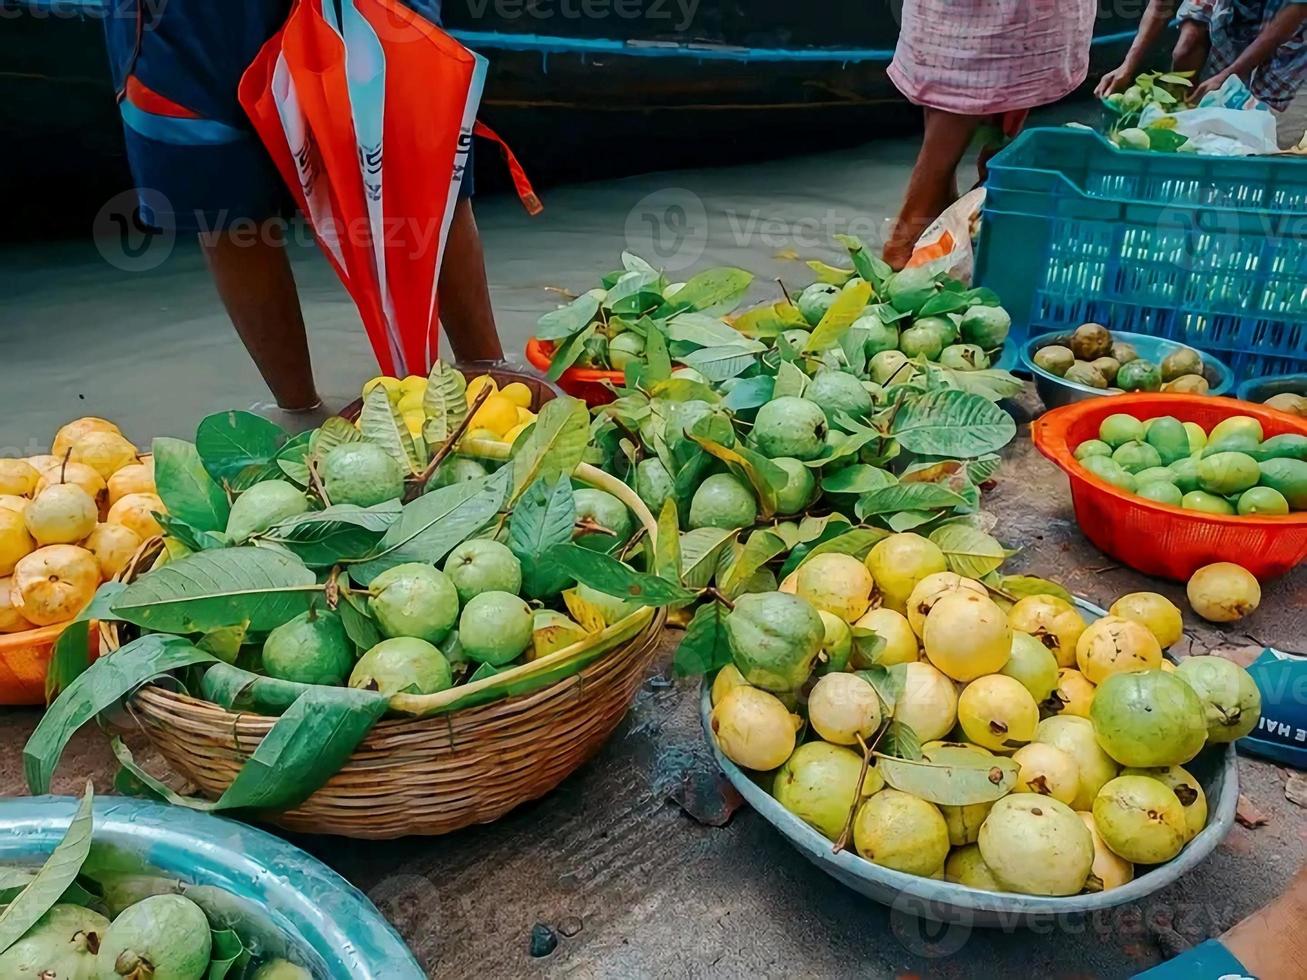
<point>1117,80</point>
<point>1211,84</point>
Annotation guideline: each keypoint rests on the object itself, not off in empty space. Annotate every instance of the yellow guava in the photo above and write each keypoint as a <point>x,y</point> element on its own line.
<point>1048,771</point>
<point>894,628</point>
<point>136,511</point>
<point>840,584</point>
<point>1052,621</point>
<point>727,679</point>
<point>967,636</point>
<point>1110,870</point>
<point>928,702</point>
<point>17,477</point>
<point>1036,845</point>
<point>1112,645</point>
<point>1158,613</point>
<point>789,584</point>
<point>104,452</point>
<point>10,502</point>
<point>1223,592</point>
<point>11,620</point>
<point>69,435</point>
<point>899,831</point>
<point>966,866</point>
<point>53,584</point>
<point>998,713</point>
<point>132,478</point>
<point>1140,819</point>
<point>1186,789</point>
<point>818,783</point>
<point>76,473</point>
<point>15,541</point>
<point>61,514</point>
<point>933,587</point>
<point>1073,695</point>
<point>1075,736</point>
<point>899,562</point>
<point>753,728</point>
<point>113,546</point>
<point>843,708</point>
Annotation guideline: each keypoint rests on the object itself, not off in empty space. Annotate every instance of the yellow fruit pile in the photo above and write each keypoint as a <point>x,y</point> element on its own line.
<point>502,417</point>
<point>70,520</point>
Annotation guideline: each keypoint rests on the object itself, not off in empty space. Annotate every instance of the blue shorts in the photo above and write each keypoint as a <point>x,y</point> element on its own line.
<point>197,162</point>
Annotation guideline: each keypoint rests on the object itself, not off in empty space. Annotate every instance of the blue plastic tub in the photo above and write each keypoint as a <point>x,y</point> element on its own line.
<point>1207,251</point>
<point>273,894</point>
<point>1260,389</point>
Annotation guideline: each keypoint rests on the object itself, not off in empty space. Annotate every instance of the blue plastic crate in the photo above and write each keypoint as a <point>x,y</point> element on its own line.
<point>1207,251</point>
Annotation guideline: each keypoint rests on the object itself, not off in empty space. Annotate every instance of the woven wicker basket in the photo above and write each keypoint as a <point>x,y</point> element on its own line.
<point>423,775</point>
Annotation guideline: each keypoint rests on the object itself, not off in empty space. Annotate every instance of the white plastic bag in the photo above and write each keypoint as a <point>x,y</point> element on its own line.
<point>948,245</point>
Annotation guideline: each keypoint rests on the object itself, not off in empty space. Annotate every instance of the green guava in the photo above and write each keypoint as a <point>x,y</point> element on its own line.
<point>837,391</point>
<point>1148,718</point>
<point>985,326</point>
<point>902,832</point>
<point>891,367</point>
<point>1107,468</point>
<point>723,501</point>
<point>1075,736</point>
<point>1197,437</point>
<point>313,648</point>
<point>402,665</point>
<point>61,945</point>
<point>842,708</point>
<point>966,866</point>
<point>815,300</point>
<point>1032,664</point>
<point>280,970</point>
<point>800,486</point>
<point>1119,429</point>
<point>1231,702</point>
<point>1228,473</point>
<point>495,628</point>
<point>1289,445</point>
<point>262,506</point>
<point>775,639</point>
<point>361,473</point>
<point>909,290</point>
<point>414,600</point>
<point>921,339</point>
<point>1055,359</point>
<point>1184,474</point>
<point>819,784</point>
<point>837,645</point>
<point>1186,789</point>
<point>753,728</point>
<point>682,416</point>
<point>1139,375</point>
<point>1289,477</point>
<point>608,512</point>
<point>1092,447</point>
<point>963,357</point>
<point>1208,503</point>
<point>483,565</point>
<point>1141,819</point>
<point>790,426</point>
<point>1170,438</point>
<point>1152,474</point>
<point>838,583</point>
<point>1091,340</point>
<point>164,936</point>
<point>654,484</point>
<point>881,336</point>
<point>1262,500</point>
<point>456,469</point>
<point>899,562</point>
<point>1036,845</point>
<point>552,631</point>
<point>1135,456</point>
<point>625,348</point>
<point>1237,433</point>
<point>1161,492</point>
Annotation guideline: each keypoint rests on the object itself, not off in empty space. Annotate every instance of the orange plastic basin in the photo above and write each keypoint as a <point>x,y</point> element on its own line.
<point>24,658</point>
<point>586,384</point>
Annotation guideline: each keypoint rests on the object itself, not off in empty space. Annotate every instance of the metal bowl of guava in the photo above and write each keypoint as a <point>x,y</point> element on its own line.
<point>1216,768</point>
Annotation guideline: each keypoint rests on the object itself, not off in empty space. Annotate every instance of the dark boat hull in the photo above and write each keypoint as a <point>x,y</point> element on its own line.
<point>578,97</point>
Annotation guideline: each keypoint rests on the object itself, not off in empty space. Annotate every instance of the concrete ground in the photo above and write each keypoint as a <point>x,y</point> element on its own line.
<point>652,891</point>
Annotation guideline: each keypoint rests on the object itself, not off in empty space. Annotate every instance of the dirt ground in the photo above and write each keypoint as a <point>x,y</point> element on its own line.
<point>646,890</point>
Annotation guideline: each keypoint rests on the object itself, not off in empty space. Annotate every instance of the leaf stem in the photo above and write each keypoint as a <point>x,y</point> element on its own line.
<point>715,593</point>
<point>316,480</point>
<point>415,489</point>
<point>867,752</point>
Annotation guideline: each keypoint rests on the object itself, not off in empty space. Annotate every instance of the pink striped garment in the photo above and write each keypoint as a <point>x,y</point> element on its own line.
<point>981,57</point>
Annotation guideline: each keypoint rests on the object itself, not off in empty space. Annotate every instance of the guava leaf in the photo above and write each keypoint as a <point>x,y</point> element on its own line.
<point>704,648</point>
<point>719,290</point>
<point>608,575</point>
<point>906,520</point>
<point>829,273</point>
<point>857,542</point>
<point>684,390</point>
<point>238,448</point>
<point>555,445</point>
<point>870,267</point>
<point>71,652</point>
<point>95,689</point>
<point>381,424</point>
<point>707,331</point>
<point>942,303</point>
<point>633,263</point>
<point>901,741</point>
<point>568,352</point>
<point>585,612</point>
<point>759,549</point>
<point>839,317</point>
<point>175,529</point>
<point>342,532</point>
<point>757,470</point>
<point>293,458</point>
<point>960,778</point>
<point>858,478</point>
<point>790,381</point>
<point>721,363</point>
<point>187,490</point>
<point>568,320</point>
<point>228,957</point>
<point>868,645</point>
<point>907,496</point>
<point>544,517</point>
<point>1020,586</point>
<point>948,422</point>
<point>700,550</point>
<point>359,625</point>
<point>969,551</point>
<point>888,685</point>
<point>769,319</point>
<point>55,877</point>
<point>657,364</point>
<point>991,384</point>
<point>444,404</point>
<point>635,292</point>
<point>851,446</point>
<point>667,545</point>
<point>334,432</point>
<point>750,393</point>
<point>429,527</point>
<point>225,643</point>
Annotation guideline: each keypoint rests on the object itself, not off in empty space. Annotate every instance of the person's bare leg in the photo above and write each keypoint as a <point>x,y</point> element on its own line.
<point>254,279</point>
<point>1270,942</point>
<point>933,185</point>
<point>464,294</point>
